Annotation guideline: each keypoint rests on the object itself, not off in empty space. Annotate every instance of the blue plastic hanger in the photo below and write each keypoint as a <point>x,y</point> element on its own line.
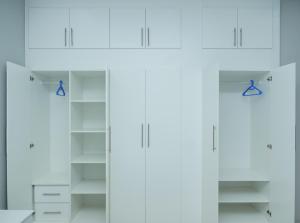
<point>252,90</point>
<point>60,90</point>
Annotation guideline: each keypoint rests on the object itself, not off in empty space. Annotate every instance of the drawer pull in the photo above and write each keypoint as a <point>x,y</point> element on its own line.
<point>52,212</point>
<point>51,194</point>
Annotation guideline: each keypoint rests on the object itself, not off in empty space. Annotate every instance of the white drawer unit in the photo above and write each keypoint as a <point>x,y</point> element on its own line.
<point>52,211</point>
<point>58,194</point>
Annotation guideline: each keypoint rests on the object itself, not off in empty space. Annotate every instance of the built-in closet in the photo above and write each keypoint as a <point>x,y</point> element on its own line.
<point>248,146</point>
<point>57,144</point>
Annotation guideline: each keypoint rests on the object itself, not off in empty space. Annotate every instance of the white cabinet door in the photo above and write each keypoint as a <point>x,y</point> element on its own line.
<point>19,182</point>
<point>283,121</point>
<point>255,28</point>
<point>48,27</point>
<point>163,156</point>
<point>127,106</point>
<point>127,28</point>
<point>163,28</point>
<point>219,28</point>
<point>89,27</point>
<point>210,151</point>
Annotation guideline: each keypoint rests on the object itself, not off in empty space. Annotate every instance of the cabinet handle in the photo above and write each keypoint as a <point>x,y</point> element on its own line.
<point>65,37</point>
<point>52,212</point>
<point>51,194</point>
<point>72,37</point>
<point>148,135</point>
<point>214,138</point>
<point>148,36</point>
<point>109,139</point>
<point>234,37</point>
<point>142,37</point>
<point>241,37</point>
<point>142,139</point>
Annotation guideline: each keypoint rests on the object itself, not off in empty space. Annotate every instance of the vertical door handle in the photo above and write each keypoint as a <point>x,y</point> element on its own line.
<point>109,139</point>
<point>72,37</point>
<point>234,37</point>
<point>148,36</point>
<point>214,138</point>
<point>148,135</point>
<point>65,37</point>
<point>142,139</point>
<point>241,37</point>
<point>142,37</point>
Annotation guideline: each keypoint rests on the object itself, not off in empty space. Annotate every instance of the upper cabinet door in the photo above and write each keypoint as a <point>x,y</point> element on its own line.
<point>127,28</point>
<point>19,178</point>
<point>48,27</point>
<point>163,155</point>
<point>163,28</point>
<point>89,27</point>
<point>283,121</point>
<point>219,28</point>
<point>255,28</point>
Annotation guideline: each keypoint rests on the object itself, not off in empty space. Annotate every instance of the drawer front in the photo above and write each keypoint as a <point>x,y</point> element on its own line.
<point>51,194</point>
<point>52,211</point>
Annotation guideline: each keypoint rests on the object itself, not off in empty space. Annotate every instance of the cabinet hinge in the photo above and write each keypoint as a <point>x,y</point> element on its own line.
<point>269,213</point>
<point>31,78</point>
<point>269,146</point>
<point>270,78</point>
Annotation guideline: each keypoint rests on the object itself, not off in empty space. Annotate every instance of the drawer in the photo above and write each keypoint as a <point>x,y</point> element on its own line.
<point>51,194</point>
<point>52,211</point>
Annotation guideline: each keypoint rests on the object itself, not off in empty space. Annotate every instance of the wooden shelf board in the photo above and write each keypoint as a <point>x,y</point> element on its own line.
<point>90,187</point>
<point>240,214</point>
<point>241,195</point>
<point>90,158</point>
<point>88,131</point>
<point>242,175</point>
<point>90,215</point>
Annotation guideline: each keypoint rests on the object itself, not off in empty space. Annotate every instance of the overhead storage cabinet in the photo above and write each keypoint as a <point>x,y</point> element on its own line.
<point>249,146</point>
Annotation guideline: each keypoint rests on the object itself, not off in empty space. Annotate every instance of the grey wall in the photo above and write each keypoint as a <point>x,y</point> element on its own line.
<point>12,26</point>
<point>290,52</point>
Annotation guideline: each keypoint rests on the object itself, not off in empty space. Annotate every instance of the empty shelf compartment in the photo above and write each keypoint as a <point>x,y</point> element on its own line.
<point>242,175</point>
<point>90,187</point>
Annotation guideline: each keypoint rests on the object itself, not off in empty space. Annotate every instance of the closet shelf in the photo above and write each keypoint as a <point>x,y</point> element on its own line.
<point>242,175</point>
<point>57,179</point>
<point>241,195</point>
<point>87,101</point>
<point>91,214</point>
<point>240,214</point>
<point>90,187</point>
<point>88,131</point>
<point>89,158</point>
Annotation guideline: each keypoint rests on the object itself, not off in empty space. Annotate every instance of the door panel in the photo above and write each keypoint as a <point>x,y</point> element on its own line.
<point>163,156</point>
<point>255,28</point>
<point>127,106</point>
<point>48,27</point>
<point>127,28</point>
<point>210,153</point>
<point>283,144</point>
<point>163,28</point>
<point>89,27</point>
<point>219,28</point>
<point>19,180</point>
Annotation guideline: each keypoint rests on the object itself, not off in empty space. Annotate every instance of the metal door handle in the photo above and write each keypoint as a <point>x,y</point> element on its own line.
<point>65,37</point>
<point>148,135</point>
<point>214,137</point>
<point>72,37</point>
<point>148,36</point>
<point>142,139</point>
<point>142,37</point>
<point>51,194</point>
<point>109,138</point>
<point>241,37</point>
<point>234,33</point>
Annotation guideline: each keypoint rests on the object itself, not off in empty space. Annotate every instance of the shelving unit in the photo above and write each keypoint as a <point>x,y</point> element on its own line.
<point>89,142</point>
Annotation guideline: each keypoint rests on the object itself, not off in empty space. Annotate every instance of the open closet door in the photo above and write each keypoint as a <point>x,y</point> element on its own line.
<point>283,144</point>
<point>19,189</point>
<point>210,149</point>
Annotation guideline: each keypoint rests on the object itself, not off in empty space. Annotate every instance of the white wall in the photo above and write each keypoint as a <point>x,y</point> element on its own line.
<point>290,52</point>
<point>11,48</point>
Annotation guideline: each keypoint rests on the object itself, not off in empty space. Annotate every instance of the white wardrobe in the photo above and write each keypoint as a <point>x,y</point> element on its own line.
<point>57,146</point>
<point>248,147</point>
